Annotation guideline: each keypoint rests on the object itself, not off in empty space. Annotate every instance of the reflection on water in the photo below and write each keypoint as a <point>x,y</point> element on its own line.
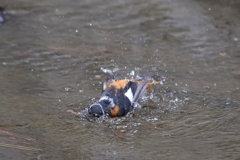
<point>51,53</point>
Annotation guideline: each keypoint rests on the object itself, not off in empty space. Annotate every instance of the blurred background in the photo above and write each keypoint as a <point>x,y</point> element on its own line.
<point>51,52</point>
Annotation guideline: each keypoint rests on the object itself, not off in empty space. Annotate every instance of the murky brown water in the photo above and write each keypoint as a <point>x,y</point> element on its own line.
<point>51,51</point>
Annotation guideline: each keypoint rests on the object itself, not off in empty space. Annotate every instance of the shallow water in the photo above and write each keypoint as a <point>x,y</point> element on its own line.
<point>51,53</point>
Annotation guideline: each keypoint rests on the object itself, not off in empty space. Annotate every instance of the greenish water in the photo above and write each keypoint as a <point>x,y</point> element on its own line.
<point>51,53</point>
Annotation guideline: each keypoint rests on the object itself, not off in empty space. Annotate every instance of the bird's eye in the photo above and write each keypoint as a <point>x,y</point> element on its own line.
<point>89,112</point>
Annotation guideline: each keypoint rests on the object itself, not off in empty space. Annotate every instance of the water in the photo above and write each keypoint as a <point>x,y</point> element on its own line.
<point>51,53</point>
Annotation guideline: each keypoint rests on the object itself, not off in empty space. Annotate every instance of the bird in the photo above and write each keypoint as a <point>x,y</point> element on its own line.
<point>119,97</point>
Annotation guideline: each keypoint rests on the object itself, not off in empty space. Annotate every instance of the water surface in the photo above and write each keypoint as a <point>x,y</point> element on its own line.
<point>51,53</point>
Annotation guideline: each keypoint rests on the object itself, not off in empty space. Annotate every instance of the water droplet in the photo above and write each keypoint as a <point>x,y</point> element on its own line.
<point>235,39</point>
<point>184,91</point>
<point>227,103</point>
<point>132,73</point>
<point>67,89</point>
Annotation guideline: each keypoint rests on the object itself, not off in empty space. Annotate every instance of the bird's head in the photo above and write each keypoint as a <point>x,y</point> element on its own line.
<point>98,109</point>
